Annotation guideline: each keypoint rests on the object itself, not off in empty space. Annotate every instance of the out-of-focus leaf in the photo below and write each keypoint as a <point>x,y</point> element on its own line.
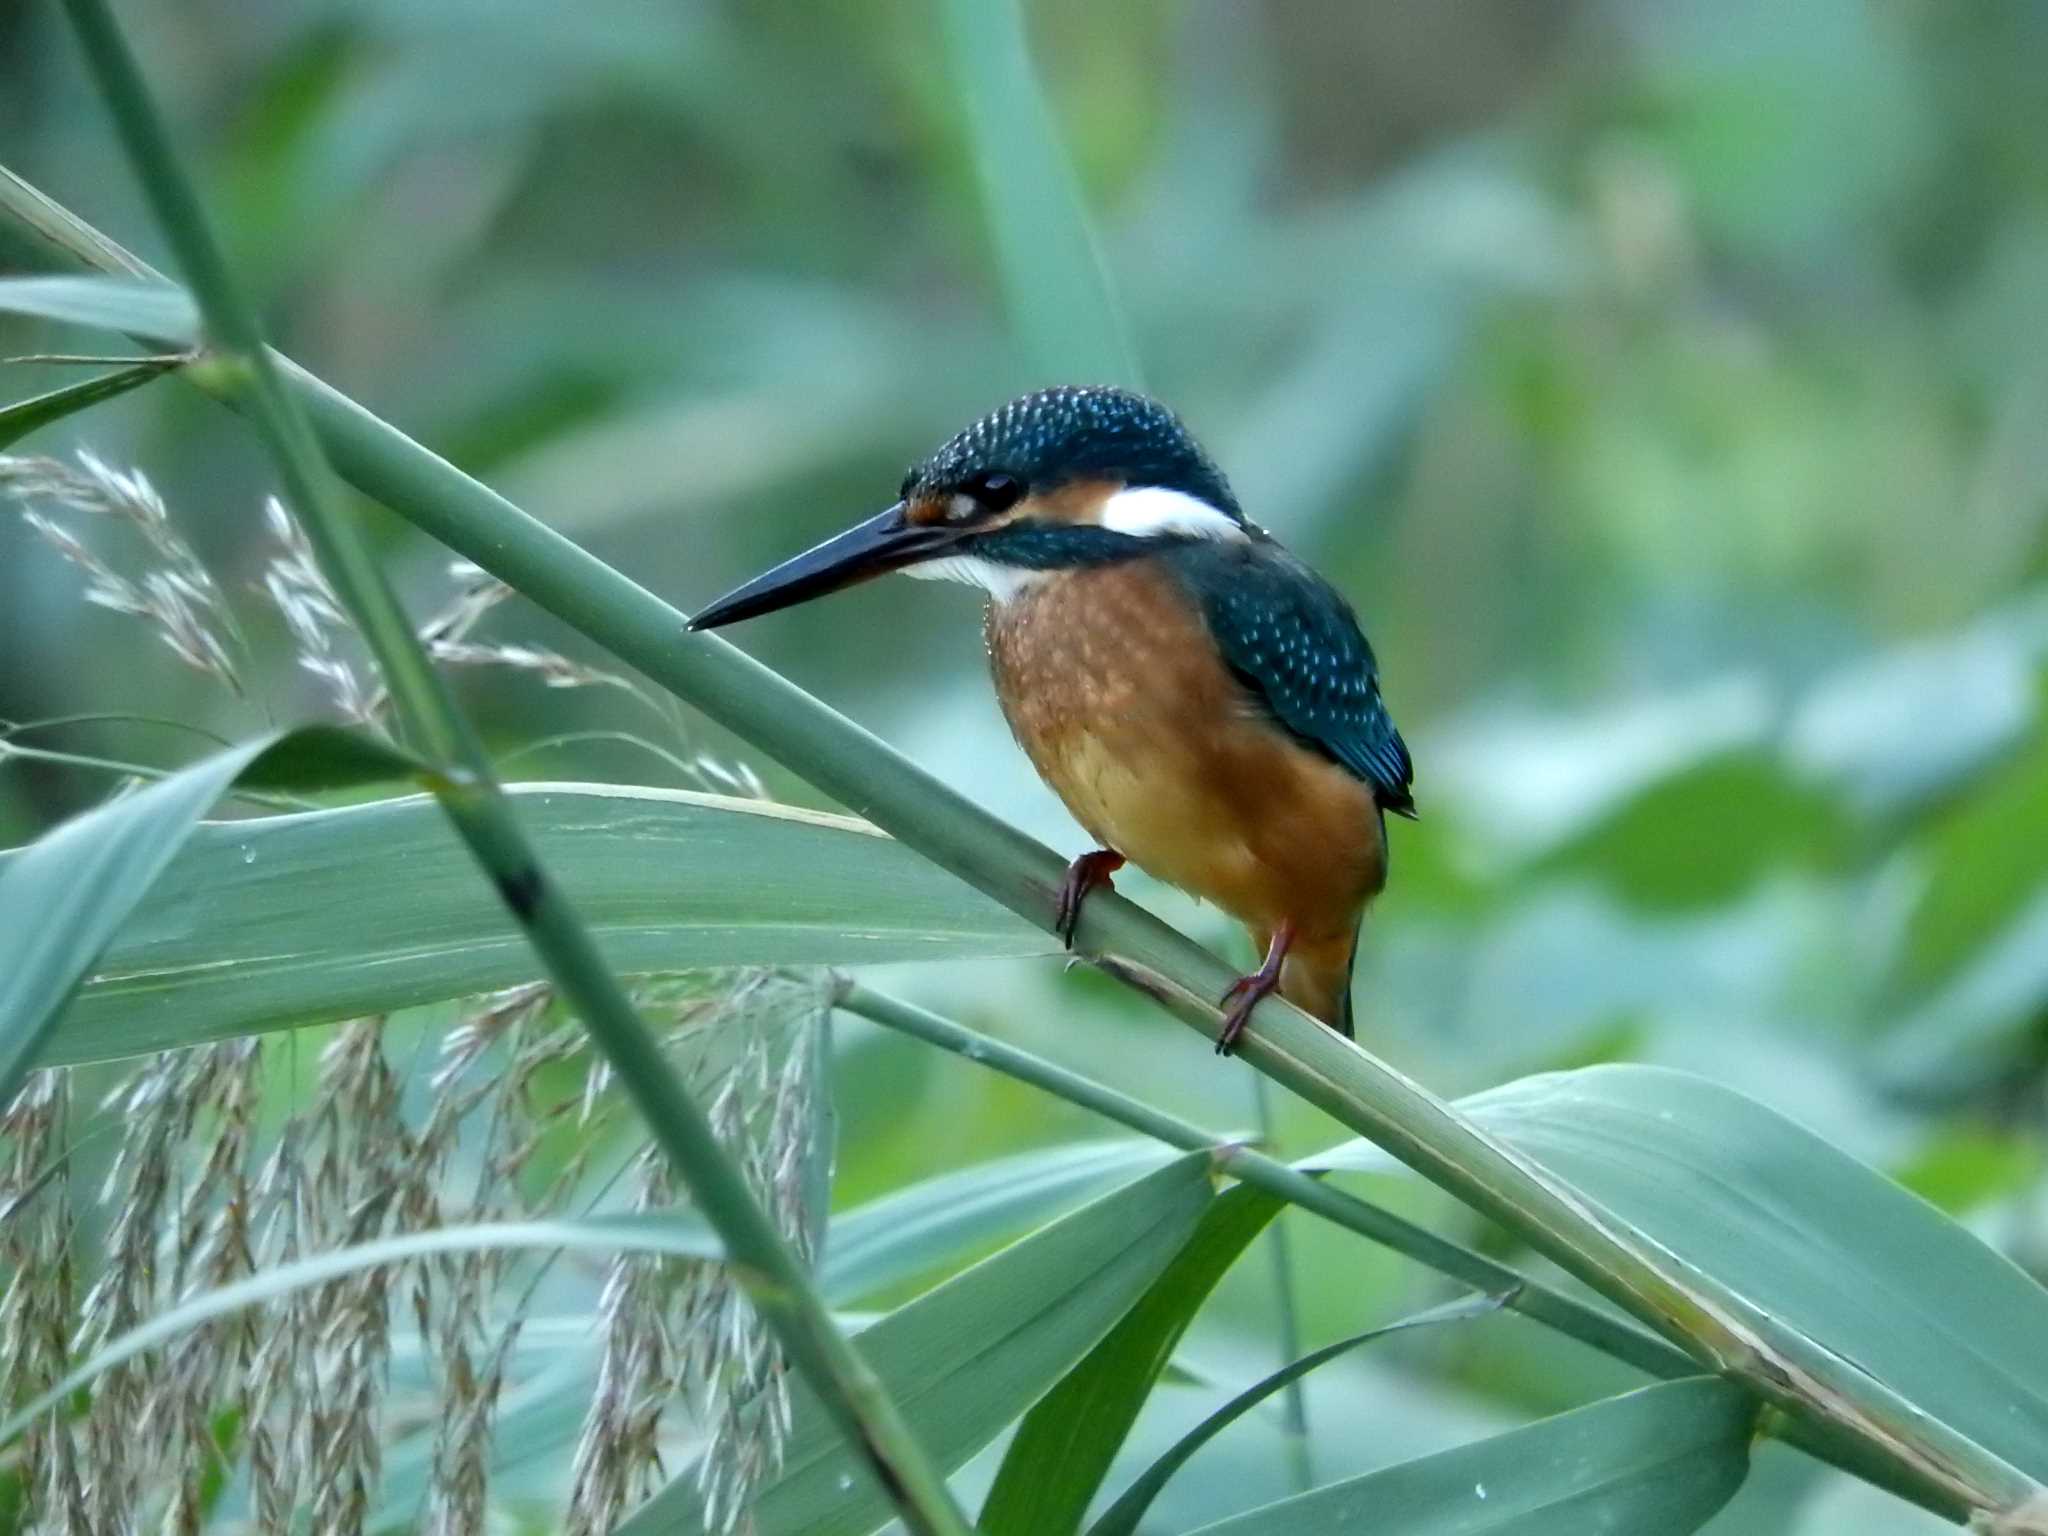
<point>1060,1455</point>
<point>1531,780</point>
<point>915,1231</point>
<point>26,416</point>
<point>966,1358</point>
<point>1975,1025</point>
<point>338,913</point>
<point>1062,309</point>
<point>1122,1517</point>
<point>1963,1167</point>
<point>1828,1250</point>
<point>132,305</point>
<point>1657,1462</point>
<point>66,895</point>
<point>1705,834</point>
<point>1976,885</point>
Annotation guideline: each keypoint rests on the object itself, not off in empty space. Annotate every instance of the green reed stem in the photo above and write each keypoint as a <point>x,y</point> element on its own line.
<point>1279,1242</point>
<point>1534,1300</point>
<point>1869,1429</point>
<point>249,373</point>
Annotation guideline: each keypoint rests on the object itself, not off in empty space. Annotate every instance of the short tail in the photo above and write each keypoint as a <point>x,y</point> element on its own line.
<point>1317,980</point>
<point>1345,1024</point>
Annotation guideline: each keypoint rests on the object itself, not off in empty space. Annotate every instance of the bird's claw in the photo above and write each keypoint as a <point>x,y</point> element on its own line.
<point>1090,872</point>
<point>1245,994</point>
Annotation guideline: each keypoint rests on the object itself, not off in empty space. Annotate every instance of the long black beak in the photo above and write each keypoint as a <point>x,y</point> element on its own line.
<point>886,542</point>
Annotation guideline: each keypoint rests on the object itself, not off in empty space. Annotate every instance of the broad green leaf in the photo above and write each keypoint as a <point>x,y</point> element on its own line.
<point>332,914</point>
<point>1062,309</point>
<point>669,1233</point>
<point>966,1358</point>
<point>1658,1462</point>
<point>1828,1249</point>
<point>26,416</point>
<point>132,305</point>
<point>1062,1452</point>
<point>64,896</point>
<point>915,1231</point>
<point>1122,1517</point>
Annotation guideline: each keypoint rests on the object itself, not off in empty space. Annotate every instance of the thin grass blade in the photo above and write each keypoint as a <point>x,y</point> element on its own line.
<point>1122,1517</point>
<point>39,411</point>
<point>1057,1462</point>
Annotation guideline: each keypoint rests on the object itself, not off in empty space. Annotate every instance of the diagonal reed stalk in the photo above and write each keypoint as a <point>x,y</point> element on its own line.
<point>1869,1430</point>
<point>1543,1304</point>
<point>462,778</point>
<point>1534,1300</point>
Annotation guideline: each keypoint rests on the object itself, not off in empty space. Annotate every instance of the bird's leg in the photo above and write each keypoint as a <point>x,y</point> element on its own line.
<point>1089,872</point>
<point>1246,991</point>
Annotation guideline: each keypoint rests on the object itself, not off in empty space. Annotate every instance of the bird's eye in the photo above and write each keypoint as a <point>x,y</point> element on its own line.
<point>996,492</point>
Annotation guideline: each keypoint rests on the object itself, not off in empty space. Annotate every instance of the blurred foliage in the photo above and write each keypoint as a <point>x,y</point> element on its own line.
<point>1661,381</point>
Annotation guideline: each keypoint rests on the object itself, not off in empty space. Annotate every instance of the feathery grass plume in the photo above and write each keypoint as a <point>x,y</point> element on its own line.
<point>677,1327</point>
<point>35,1309</point>
<point>178,597</point>
<point>125,1427</point>
<point>278,1427</point>
<point>357,1181</point>
<point>178,1227</point>
<point>207,1368</point>
<point>473,1364</point>
<point>206,1189</point>
<point>319,622</point>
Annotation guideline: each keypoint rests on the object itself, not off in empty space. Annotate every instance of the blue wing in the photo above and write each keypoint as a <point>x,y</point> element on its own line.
<point>1295,643</point>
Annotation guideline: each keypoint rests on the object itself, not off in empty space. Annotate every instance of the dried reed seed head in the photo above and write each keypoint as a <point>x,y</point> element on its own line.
<point>176,595</point>
<point>308,1373</point>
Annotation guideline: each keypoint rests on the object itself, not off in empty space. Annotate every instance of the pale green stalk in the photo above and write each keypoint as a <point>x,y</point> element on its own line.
<point>1287,1316</point>
<point>249,373</point>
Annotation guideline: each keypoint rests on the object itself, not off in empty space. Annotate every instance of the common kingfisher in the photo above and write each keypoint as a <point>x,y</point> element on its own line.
<point>1203,702</point>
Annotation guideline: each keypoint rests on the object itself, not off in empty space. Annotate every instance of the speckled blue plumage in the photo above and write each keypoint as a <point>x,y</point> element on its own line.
<point>1075,433</point>
<point>1287,634</point>
<point>1293,640</point>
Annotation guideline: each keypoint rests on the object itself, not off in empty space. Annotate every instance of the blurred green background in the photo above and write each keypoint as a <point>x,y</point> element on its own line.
<point>1662,381</point>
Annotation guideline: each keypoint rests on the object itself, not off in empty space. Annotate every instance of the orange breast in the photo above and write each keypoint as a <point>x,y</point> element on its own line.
<point>1115,690</point>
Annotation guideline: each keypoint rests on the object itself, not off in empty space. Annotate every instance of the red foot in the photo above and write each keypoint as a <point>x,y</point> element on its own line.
<point>1245,993</point>
<point>1090,872</point>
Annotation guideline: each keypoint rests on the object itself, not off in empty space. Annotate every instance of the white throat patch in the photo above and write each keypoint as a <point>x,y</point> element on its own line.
<point>1002,582</point>
<point>1140,510</point>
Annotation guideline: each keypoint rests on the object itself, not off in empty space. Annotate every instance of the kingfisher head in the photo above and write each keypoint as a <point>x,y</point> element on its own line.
<point>1054,480</point>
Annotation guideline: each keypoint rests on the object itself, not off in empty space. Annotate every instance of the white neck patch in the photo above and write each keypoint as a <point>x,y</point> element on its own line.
<point>1142,510</point>
<point>1002,582</point>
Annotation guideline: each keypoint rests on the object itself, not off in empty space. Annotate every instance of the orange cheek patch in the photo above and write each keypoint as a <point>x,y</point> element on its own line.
<point>1078,503</point>
<point>923,511</point>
